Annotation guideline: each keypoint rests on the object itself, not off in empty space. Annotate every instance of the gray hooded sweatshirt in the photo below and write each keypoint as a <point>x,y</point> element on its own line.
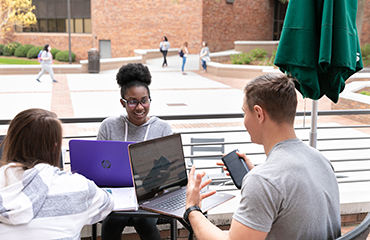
<point>114,129</point>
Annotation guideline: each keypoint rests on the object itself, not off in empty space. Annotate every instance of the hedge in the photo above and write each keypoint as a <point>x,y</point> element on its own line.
<point>33,52</point>
<point>28,46</point>
<point>22,50</point>
<point>1,49</point>
<point>54,52</point>
<point>64,56</point>
<point>10,48</point>
<point>365,52</point>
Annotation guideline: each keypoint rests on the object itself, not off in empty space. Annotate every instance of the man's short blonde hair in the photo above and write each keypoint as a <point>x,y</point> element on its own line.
<point>276,94</point>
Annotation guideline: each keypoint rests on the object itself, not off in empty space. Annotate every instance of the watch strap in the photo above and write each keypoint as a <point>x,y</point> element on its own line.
<point>189,210</point>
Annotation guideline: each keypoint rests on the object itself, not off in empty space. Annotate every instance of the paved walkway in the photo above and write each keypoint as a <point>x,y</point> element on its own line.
<point>97,95</point>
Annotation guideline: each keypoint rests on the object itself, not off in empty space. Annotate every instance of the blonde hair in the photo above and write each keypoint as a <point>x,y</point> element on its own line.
<point>183,46</point>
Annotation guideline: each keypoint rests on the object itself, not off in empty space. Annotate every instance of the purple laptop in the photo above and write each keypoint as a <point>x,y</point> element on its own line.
<point>106,163</point>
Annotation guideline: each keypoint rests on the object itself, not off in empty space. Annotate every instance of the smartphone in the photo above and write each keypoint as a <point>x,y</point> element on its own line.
<point>236,167</point>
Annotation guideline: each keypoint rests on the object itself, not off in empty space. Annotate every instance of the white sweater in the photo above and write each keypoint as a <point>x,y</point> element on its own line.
<point>47,203</point>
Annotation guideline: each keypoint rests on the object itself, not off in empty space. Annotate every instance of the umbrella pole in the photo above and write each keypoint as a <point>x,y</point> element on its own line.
<point>313,133</point>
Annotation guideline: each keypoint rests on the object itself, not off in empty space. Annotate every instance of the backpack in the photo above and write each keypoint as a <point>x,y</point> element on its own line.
<point>181,53</point>
<point>39,56</point>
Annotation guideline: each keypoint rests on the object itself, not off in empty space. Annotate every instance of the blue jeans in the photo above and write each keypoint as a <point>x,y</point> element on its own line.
<point>204,65</point>
<point>183,63</point>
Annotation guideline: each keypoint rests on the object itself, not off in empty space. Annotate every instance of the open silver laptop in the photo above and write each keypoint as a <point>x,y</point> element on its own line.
<point>160,177</point>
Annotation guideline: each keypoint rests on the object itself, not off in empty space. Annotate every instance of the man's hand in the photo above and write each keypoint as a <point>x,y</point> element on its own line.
<point>242,155</point>
<point>193,196</point>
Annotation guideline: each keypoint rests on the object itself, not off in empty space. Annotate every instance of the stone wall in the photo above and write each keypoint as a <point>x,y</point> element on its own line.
<point>133,24</point>
<point>225,23</point>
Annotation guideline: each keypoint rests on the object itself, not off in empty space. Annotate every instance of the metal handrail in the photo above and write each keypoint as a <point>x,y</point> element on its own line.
<point>208,116</point>
<point>186,117</point>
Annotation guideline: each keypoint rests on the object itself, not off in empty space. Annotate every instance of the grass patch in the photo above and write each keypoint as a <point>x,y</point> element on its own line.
<point>4,60</point>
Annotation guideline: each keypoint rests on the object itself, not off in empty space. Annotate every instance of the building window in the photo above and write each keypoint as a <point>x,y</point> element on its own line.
<point>52,16</point>
<point>279,15</point>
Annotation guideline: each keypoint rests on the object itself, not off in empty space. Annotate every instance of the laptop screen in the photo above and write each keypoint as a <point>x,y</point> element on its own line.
<point>104,162</point>
<point>158,166</point>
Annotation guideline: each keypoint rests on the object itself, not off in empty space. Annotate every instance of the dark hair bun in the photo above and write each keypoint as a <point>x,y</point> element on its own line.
<point>133,72</point>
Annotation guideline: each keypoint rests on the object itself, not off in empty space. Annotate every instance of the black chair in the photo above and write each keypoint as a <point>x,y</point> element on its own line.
<point>207,148</point>
<point>361,232</point>
<point>212,149</point>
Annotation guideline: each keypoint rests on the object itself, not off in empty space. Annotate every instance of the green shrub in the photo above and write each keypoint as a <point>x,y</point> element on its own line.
<point>365,50</point>
<point>10,48</point>
<point>258,54</point>
<point>20,51</point>
<point>236,59</point>
<point>54,52</point>
<point>64,56</point>
<point>242,58</point>
<point>1,49</point>
<point>28,46</point>
<point>33,52</point>
<point>365,93</point>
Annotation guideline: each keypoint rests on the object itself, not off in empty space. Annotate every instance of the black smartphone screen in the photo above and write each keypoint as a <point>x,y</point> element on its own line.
<point>236,167</point>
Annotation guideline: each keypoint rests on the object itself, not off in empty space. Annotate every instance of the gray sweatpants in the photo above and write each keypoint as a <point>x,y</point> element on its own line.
<point>46,68</point>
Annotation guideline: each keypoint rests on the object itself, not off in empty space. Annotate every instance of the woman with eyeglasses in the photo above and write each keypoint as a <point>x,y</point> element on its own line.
<point>134,80</point>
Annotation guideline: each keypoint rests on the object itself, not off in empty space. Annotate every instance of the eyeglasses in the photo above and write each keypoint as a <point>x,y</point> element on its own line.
<point>133,103</point>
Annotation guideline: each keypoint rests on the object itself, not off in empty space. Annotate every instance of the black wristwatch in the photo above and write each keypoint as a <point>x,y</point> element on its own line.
<point>189,210</point>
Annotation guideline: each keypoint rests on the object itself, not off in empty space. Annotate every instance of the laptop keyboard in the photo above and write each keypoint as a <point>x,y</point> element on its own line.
<point>175,202</point>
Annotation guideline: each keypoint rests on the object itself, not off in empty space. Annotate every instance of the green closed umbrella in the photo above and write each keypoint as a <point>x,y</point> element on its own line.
<point>319,46</point>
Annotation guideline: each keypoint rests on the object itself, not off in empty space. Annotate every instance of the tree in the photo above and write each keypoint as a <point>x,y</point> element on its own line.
<point>15,12</point>
<point>360,17</point>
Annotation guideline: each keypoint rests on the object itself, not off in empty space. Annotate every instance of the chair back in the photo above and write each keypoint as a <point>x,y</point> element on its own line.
<point>210,151</point>
<point>361,232</point>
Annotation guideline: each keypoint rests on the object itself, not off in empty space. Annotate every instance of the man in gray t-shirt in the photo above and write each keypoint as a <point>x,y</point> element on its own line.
<point>294,194</point>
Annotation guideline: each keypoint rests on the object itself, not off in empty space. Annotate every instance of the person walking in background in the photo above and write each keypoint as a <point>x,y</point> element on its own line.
<point>38,200</point>
<point>204,55</point>
<point>46,61</point>
<point>163,47</point>
<point>184,53</point>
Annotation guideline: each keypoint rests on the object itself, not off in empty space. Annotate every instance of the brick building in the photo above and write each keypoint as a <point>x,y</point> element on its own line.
<point>118,27</point>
